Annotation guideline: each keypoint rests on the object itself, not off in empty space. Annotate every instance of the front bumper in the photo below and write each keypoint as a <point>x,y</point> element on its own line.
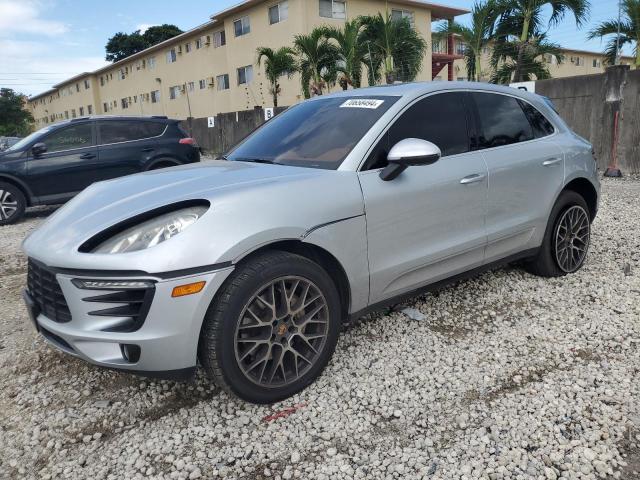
<point>165,344</point>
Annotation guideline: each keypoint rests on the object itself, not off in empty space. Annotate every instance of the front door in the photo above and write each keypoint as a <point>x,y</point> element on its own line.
<point>67,166</point>
<point>428,223</point>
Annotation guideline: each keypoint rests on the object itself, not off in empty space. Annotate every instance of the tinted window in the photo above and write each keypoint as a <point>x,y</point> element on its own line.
<point>318,134</point>
<point>126,131</point>
<point>77,136</point>
<point>541,126</point>
<point>440,119</point>
<point>502,120</point>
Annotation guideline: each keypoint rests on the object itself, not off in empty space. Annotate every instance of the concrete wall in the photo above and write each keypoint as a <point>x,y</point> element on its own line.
<point>589,104</point>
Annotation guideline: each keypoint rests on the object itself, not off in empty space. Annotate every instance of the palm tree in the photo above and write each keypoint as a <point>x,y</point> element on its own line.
<point>277,63</point>
<point>476,36</point>
<point>351,52</point>
<point>521,19</point>
<point>394,45</point>
<point>532,57</point>
<point>629,31</point>
<point>318,58</point>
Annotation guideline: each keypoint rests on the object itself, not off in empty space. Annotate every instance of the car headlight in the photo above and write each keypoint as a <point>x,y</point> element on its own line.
<point>152,232</point>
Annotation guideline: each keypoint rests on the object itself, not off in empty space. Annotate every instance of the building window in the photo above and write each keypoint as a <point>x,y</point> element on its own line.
<point>199,43</point>
<point>439,46</point>
<point>155,96</point>
<point>77,87</point>
<point>171,56</point>
<point>152,63</point>
<point>125,103</point>
<point>81,111</point>
<point>242,26</point>
<point>245,75</point>
<point>66,114</point>
<point>105,107</point>
<point>191,86</point>
<point>73,113</point>
<point>333,9</point>
<point>460,48</point>
<point>187,47</point>
<point>279,12</point>
<point>596,63</point>
<point>219,39</point>
<point>577,61</point>
<point>89,109</point>
<point>87,85</point>
<point>202,84</point>
<point>400,14</point>
<point>122,75</point>
<point>174,92</point>
<point>223,82</point>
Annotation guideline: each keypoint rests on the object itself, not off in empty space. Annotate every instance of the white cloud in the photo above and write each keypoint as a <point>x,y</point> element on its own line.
<point>32,67</point>
<point>24,16</point>
<point>143,27</point>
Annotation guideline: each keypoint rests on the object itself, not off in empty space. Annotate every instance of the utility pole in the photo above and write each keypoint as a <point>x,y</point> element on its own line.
<point>618,38</point>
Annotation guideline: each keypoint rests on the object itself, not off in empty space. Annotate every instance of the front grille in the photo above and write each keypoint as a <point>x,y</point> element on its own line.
<point>46,292</point>
<point>130,305</point>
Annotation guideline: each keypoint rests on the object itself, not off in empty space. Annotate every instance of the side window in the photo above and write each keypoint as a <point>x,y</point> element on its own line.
<point>126,131</point>
<point>440,119</point>
<point>77,136</point>
<point>502,120</point>
<point>541,126</point>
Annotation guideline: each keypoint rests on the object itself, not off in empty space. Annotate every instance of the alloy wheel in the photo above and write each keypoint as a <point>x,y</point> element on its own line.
<point>8,205</point>
<point>282,331</point>
<point>572,239</point>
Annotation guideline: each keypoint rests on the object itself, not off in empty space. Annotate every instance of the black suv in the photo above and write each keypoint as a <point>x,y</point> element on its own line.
<point>55,163</point>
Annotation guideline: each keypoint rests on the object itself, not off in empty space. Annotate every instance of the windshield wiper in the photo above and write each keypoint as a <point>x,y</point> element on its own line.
<point>257,160</point>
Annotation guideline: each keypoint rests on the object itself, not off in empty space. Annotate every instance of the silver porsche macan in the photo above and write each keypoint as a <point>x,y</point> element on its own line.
<point>248,265</point>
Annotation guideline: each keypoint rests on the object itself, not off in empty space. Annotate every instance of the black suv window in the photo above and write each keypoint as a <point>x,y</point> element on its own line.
<point>128,130</point>
<point>541,126</point>
<point>68,138</point>
<point>440,119</point>
<point>502,120</point>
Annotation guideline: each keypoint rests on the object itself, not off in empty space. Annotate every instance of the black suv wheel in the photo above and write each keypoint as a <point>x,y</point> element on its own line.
<point>12,203</point>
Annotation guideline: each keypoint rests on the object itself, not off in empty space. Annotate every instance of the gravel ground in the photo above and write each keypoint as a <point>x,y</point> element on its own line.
<point>504,376</point>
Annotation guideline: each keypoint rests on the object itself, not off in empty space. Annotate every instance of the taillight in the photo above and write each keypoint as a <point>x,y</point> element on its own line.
<point>188,141</point>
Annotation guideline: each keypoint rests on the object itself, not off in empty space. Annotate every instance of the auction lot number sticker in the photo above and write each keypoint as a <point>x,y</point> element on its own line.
<point>362,103</point>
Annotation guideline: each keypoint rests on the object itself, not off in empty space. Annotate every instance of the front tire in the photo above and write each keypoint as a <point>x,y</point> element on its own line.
<point>566,239</point>
<point>272,327</point>
<point>12,203</point>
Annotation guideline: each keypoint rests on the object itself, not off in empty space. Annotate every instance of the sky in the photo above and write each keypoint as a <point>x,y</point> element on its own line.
<point>43,42</point>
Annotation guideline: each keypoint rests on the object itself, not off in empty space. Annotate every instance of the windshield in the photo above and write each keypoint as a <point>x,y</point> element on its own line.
<point>318,134</point>
<point>28,139</point>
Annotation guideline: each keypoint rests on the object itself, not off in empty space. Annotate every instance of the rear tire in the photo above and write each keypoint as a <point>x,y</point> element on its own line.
<point>12,203</point>
<point>566,239</point>
<point>272,327</point>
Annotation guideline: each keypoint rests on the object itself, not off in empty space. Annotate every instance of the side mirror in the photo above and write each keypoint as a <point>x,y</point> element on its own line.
<point>409,152</point>
<point>38,149</point>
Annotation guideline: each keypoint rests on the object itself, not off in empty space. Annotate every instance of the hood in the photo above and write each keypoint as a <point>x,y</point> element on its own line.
<point>230,187</point>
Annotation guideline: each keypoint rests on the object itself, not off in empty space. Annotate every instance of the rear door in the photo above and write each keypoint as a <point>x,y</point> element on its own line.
<point>68,165</point>
<point>126,146</point>
<point>428,223</point>
<point>526,169</point>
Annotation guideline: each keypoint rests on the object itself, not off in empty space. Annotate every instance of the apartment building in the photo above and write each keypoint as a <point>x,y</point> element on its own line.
<point>212,68</point>
<point>574,63</point>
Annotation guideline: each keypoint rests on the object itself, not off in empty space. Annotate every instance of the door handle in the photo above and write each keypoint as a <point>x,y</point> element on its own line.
<point>475,178</point>
<point>551,162</point>
<point>148,149</point>
<point>87,156</point>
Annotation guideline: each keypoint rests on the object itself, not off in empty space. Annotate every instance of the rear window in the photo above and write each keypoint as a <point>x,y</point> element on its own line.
<point>317,134</point>
<point>126,131</point>
<point>502,120</point>
<point>541,126</point>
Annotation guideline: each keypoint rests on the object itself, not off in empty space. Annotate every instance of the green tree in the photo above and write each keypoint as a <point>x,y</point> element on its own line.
<point>351,52</point>
<point>123,45</point>
<point>522,21</point>
<point>15,121</point>
<point>476,36</point>
<point>277,63</point>
<point>317,61</point>
<point>532,60</point>
<point>395,46</point>
<point>629,32</point>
